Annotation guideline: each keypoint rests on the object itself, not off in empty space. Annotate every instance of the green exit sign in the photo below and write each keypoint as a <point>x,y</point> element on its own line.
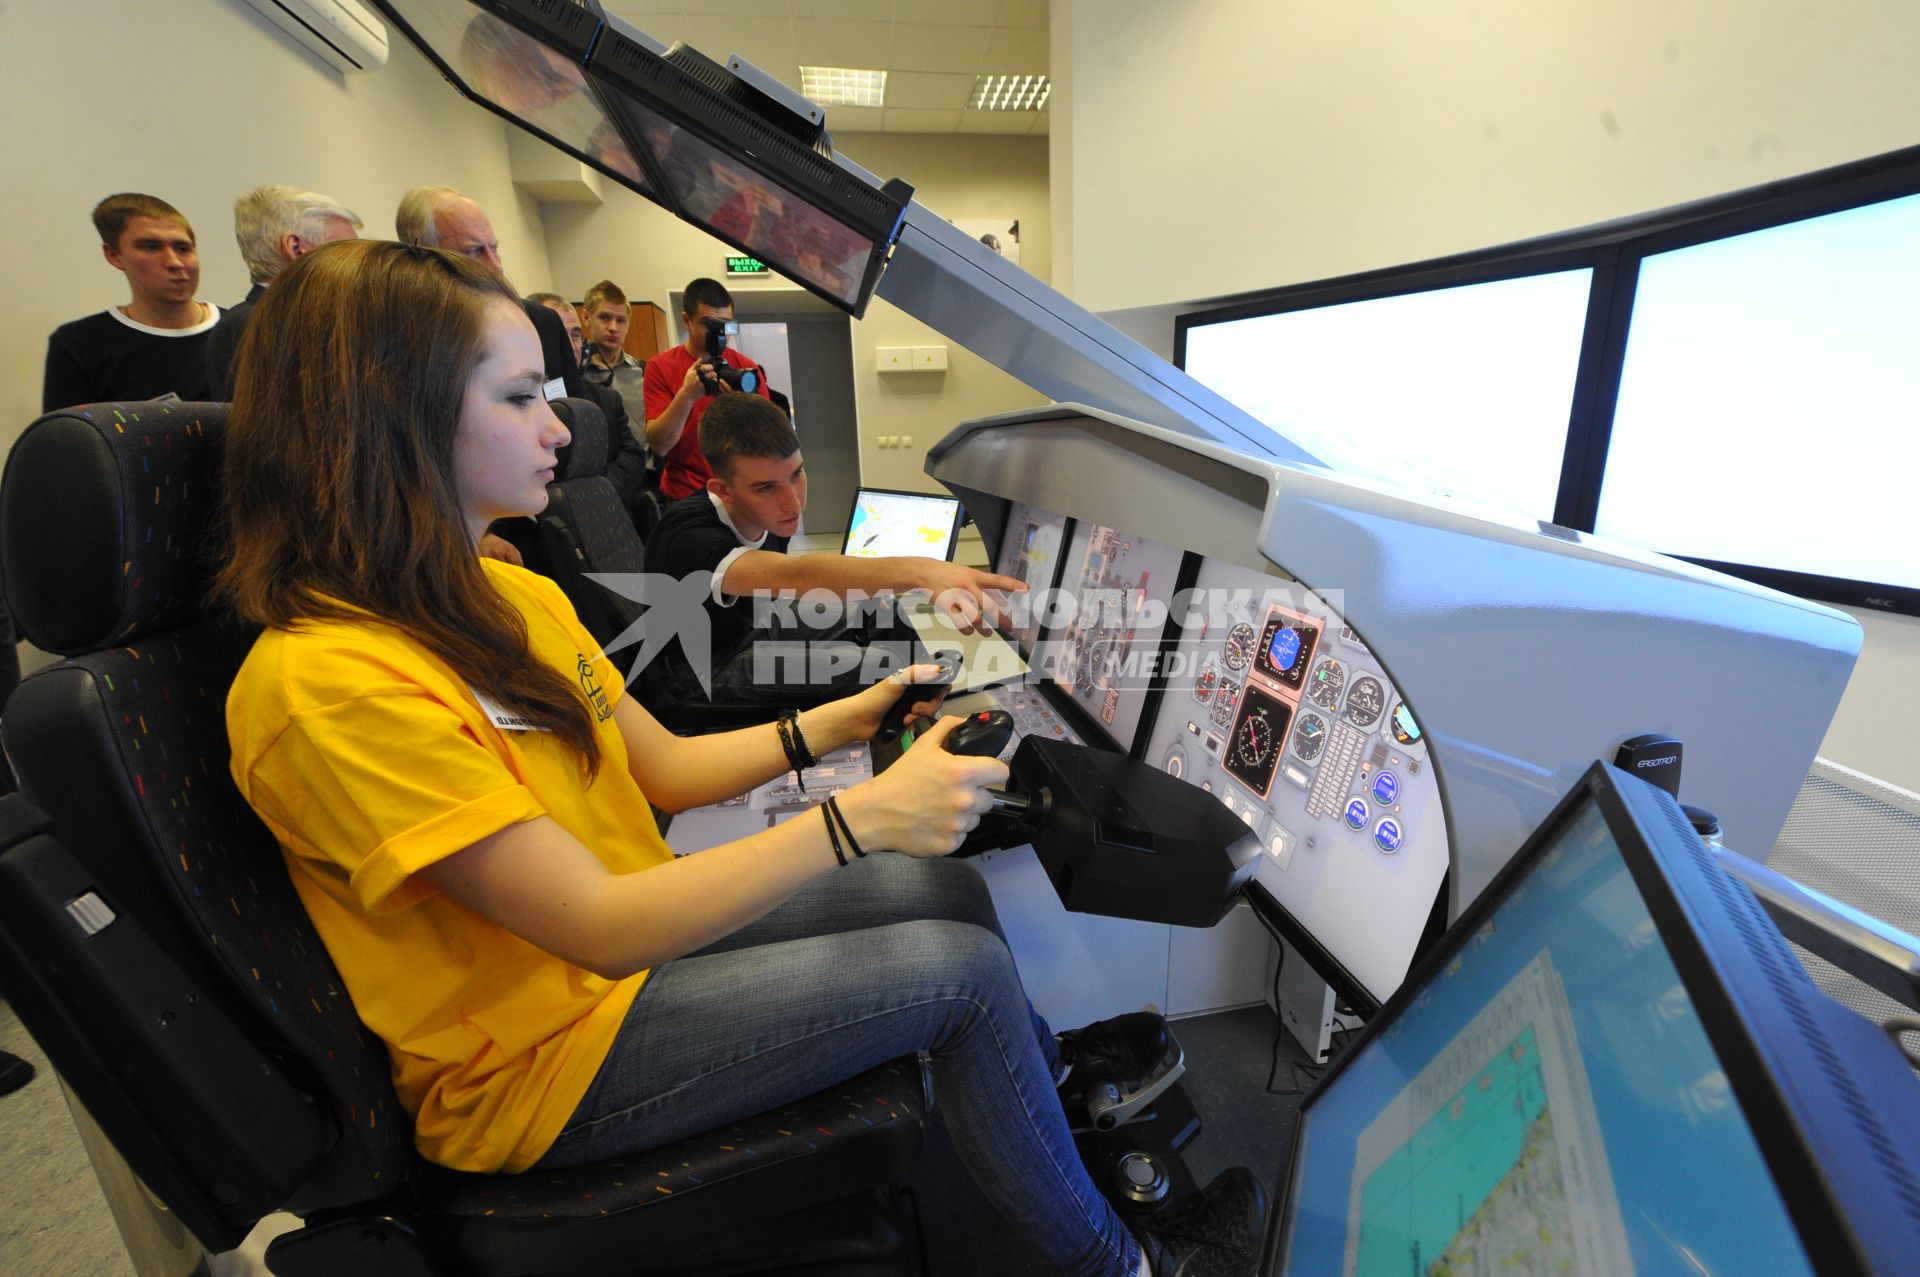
<point>740,264</point>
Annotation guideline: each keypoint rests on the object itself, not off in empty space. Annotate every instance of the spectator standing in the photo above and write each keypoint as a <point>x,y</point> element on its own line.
<point>156,344</point>
<point>677,393</point>
<point>274,226</point>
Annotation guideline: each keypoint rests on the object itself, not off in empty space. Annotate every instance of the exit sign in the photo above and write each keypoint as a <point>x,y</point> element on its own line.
<point>740,264</point>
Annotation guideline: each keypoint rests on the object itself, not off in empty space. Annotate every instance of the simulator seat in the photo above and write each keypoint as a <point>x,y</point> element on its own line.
<point>152,942</point>
<point>585,529</point>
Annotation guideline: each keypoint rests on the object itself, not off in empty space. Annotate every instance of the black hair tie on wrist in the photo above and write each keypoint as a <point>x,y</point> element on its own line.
<point>853,844</point>
<point>833,835</point>
<point>786,725</point>
<point>800,739</point>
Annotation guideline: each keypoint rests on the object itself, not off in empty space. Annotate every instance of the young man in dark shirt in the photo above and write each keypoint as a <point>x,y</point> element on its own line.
<point>156,344</point>
<point>738,529</point>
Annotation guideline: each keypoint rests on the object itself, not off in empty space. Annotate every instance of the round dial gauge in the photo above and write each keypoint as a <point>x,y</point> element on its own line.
<point>1253,744</point>
<point>1240,640</point>
<point>1366,701</point>
<point>1175,762</point>
<point>1329,677</point>
<point>1223,702</point>
<point>1204,684</point>
<point>1308,736</point>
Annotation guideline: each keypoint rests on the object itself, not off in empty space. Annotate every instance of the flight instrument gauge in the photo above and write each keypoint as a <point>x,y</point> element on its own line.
<point>1240,640</point>
<point>1366,700</point>
<point>1309,734</point>
<point>1259,734</point>
<point>1324,686</point>
<point>1223,702</point>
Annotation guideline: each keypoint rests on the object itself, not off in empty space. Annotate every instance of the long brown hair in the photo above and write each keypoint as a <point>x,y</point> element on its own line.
<point>340,498</point>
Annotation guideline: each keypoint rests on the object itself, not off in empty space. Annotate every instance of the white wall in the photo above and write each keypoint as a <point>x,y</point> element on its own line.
<point>649,253</point>
<point>1242,144</point>
<point>196,101</point>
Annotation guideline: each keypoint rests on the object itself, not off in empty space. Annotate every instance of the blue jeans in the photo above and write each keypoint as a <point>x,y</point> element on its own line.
<point>884,958</point>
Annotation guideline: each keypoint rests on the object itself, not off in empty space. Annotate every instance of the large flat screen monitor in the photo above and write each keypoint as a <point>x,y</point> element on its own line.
<point>1611,1065</point>
<point>525,61</point>
<point>1769,405</point>
<point>1031,550</point>
<point>1463,391</point>
<point>674,125</point>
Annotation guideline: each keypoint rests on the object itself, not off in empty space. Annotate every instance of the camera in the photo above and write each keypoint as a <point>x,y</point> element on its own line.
<point>716,374</point>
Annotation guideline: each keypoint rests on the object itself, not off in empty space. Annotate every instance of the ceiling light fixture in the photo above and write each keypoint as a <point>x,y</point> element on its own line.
<point>843,86</point>
<point>1010,92</point>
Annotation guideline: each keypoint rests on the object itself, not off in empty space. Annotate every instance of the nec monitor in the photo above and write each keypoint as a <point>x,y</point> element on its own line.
<point>885,523</point>
<point>1612,1064</point>
<point>1463,391</point>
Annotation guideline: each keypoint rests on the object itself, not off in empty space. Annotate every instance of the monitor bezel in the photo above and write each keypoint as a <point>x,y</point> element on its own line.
<point>1688,937</point>
<point>865,489</point>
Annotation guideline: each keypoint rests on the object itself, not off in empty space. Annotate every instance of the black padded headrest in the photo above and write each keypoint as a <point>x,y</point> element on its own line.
<point>106,521</point>
<point>586,456</point>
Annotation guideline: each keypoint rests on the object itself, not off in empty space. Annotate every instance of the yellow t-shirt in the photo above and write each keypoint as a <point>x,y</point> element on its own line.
<point>369,758</point>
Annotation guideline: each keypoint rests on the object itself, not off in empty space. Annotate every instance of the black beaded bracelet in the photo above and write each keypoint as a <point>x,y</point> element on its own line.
<point>833,836</point>
<point>853,844</point>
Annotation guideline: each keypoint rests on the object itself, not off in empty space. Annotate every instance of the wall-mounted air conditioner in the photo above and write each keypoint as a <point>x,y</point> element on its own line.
<point>344,34</point>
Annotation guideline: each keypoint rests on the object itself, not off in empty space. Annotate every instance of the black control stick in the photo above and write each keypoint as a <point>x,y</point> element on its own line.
<point>895,721</point>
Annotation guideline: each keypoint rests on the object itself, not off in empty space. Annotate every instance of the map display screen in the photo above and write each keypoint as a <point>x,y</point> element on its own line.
<point>886,524</point>
<point>1548,1103</point>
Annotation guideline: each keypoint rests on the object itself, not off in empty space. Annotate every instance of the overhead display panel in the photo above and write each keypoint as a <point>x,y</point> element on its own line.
<point>526,62</point>
<point>715,147</point>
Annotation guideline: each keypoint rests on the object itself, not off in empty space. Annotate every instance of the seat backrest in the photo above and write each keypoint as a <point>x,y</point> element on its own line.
<point>585,529</point>
<point>107,542</point>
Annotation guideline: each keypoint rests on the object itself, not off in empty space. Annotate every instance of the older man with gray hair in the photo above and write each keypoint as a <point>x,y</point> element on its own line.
<point>441,217</point>
<point>274,225</point>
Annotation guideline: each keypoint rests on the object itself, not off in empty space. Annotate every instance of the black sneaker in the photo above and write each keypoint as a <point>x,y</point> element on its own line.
<point>1214,1233</point>
<point>1113,1069</point>
<point>14,1073</point>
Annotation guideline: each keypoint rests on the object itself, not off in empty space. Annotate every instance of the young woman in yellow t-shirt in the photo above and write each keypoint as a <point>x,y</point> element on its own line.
<point>461,788</point>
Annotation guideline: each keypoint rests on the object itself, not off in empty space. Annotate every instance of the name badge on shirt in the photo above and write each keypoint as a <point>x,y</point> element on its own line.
<point>555,389</point>
<point>503,719</point>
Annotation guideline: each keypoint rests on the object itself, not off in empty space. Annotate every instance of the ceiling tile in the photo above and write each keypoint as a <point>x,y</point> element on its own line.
<point>823,42</point>
<point>995,121</point>
<point>912,121</point>
<point>741,8</point>
<point>947,13</point>
<point>1031,14</point>
<point>1011,52</point>
<point>849,10</point>
<point>855,119</point>
<point>765,42</point>
<point>926,48</point>
<point>928,89</point>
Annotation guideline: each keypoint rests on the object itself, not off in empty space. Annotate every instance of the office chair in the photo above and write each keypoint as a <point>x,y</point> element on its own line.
<point>585,529</point>
<point>151,940</point>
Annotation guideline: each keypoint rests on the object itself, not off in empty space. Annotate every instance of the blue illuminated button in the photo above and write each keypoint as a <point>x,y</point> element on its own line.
<point>1386,788</point>
<point>1357,814</point>
<point>1386,835</point>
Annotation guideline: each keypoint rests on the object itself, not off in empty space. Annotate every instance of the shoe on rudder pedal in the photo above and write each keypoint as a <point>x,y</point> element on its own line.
<point>1116,1068</point>
<point>1215,1232</point>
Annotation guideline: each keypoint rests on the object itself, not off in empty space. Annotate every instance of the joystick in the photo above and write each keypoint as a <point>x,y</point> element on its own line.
<point>982,735</point>
<point>895,721</point>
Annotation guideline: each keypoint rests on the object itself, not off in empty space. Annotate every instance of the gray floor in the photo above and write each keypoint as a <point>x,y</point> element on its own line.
<point>54,1221</point>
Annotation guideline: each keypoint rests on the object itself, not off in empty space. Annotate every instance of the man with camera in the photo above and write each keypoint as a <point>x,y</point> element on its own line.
<point>681,382</point>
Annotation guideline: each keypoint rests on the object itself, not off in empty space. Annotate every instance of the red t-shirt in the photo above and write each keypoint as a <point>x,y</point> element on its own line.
<point>683,470</point>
